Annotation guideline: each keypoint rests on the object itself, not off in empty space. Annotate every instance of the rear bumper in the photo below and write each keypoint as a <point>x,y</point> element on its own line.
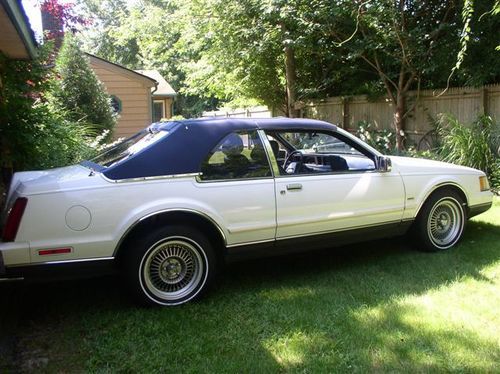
<point>478,209</point>
<point>12,254</point>
<point>60,269</point>
<point>15,264</point>
<point>4,275</point>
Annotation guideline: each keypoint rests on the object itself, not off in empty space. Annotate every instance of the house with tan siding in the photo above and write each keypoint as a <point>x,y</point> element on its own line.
<point>132,95</point>
<point>163,96</point>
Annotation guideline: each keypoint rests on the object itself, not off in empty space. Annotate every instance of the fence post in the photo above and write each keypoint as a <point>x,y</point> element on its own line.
<point>345,112</point>
<point>484,101</point>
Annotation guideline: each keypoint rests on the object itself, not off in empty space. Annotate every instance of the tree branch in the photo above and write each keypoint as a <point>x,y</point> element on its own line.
<point>416,100</point>
<point>409,81</point>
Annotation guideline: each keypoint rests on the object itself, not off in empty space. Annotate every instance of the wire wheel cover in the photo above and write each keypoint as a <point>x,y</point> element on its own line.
<point>445,223</point>
<point>173,269</point>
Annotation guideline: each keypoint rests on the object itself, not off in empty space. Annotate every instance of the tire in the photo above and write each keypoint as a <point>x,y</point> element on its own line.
<point>170,266</point>
<point>441,221</point>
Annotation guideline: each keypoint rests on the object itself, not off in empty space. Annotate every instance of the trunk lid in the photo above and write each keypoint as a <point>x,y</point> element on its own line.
<point>27,183</point>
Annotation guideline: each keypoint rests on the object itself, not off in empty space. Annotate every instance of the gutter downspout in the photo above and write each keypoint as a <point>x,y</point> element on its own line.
<point>151,101</point>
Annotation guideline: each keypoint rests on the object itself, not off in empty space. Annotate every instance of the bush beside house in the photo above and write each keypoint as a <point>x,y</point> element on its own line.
<point>78,92</point>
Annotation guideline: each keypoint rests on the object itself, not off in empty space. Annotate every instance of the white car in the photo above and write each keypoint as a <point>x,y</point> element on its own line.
<point>168,205</point>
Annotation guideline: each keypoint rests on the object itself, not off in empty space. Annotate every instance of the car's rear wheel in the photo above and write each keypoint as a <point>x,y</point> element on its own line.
<point>170,266</point>
<point>441,221</point>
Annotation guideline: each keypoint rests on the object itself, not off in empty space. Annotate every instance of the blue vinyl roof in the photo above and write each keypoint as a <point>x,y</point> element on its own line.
<point>231,124</point>
<point>189,142</point>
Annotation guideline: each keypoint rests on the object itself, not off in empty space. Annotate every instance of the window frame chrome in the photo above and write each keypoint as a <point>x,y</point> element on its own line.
<point>275,167</point>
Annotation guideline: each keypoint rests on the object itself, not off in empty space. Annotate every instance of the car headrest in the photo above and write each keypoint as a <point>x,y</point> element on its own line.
<point>275,146</point>
<point>258,153</point>
<point>232,145</point>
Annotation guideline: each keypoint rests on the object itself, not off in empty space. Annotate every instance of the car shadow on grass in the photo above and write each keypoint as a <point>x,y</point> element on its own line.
<point>348,308</point>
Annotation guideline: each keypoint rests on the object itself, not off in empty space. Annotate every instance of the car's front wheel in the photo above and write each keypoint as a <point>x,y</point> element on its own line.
<point>170,266</point>
<point>441,222</point>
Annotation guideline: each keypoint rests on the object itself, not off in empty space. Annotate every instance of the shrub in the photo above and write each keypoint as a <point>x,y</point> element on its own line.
<point>34,134</point>
<point>57,141</point>
<point>476,146</point>
<point>383,141</point>
<point>78,92</point>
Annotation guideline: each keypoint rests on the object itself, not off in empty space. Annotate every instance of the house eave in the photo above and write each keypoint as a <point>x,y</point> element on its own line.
<point>129,72</point>
<point>20,21</point>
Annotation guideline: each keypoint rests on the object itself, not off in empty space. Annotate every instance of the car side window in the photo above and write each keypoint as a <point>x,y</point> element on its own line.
<point>239,155</point>
<point>310,152</point>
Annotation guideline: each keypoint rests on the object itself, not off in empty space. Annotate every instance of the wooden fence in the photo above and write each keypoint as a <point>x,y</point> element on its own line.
<point>466,103</point>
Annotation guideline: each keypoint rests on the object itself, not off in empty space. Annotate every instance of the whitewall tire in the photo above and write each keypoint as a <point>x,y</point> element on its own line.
<point>170,266</point>
<point>441,221</point>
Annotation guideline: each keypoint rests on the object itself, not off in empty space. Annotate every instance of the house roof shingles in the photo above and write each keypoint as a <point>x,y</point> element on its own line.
<point>164,89</point>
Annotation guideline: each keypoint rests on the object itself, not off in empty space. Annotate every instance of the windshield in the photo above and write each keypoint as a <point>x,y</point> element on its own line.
<point>128,147</point>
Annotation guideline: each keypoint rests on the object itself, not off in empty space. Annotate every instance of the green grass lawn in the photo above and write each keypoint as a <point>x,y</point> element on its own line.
<point>378,306</point>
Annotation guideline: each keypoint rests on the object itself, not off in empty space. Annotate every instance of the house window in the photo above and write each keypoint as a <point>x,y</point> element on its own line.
<point>158,110</point>
<point>116,104</point>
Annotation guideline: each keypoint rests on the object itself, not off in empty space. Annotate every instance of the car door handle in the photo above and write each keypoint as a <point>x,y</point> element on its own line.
<point>293,186</point>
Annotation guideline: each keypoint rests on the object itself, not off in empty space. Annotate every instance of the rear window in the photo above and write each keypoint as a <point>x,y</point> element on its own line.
<point>127,148</point>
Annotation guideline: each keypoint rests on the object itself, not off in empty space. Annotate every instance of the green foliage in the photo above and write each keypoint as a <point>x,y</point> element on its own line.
<point>476,145</point>
<point>428,154</point>
<point>160,41</point>
<point>218,51</point>
<point>58,141</point>
<point>104,37</point>
<point>383,141</point>
<point>78,92</point>
<point>34,134</point>
<point>177,118</point>
<point>29,130</point>
<point>481,64</point>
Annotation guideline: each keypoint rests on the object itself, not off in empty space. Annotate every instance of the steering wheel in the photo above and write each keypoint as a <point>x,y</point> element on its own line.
<point>289,159</point>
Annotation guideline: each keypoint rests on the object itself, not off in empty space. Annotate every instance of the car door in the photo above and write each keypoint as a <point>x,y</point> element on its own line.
<point>237,184</point>
<point>325,199</point>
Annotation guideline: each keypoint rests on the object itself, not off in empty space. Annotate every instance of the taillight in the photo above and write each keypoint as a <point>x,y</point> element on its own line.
<point>14,220</point>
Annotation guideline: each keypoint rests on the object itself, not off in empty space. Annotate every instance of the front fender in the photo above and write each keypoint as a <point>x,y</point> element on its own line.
<point>420,187</point>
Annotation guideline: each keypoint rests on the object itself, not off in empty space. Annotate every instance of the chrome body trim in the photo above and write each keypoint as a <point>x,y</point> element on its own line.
<point>339,230</point>
<point>251,243</point>
<point>11,279</point>
<point>443,184</point>
<point>346,172</point>
<point>199,180</point>
<point>269,152</point>
<point>55,262</point>
<point>172,210</point>
<point>142,179</point>
<point>319,233</point>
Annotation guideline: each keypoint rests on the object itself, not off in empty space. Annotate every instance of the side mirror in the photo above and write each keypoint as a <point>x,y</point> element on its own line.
<point>384,164</point>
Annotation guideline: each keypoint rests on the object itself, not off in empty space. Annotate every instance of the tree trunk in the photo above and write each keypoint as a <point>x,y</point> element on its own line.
<point>291,78</point>
<point>399,120</point>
